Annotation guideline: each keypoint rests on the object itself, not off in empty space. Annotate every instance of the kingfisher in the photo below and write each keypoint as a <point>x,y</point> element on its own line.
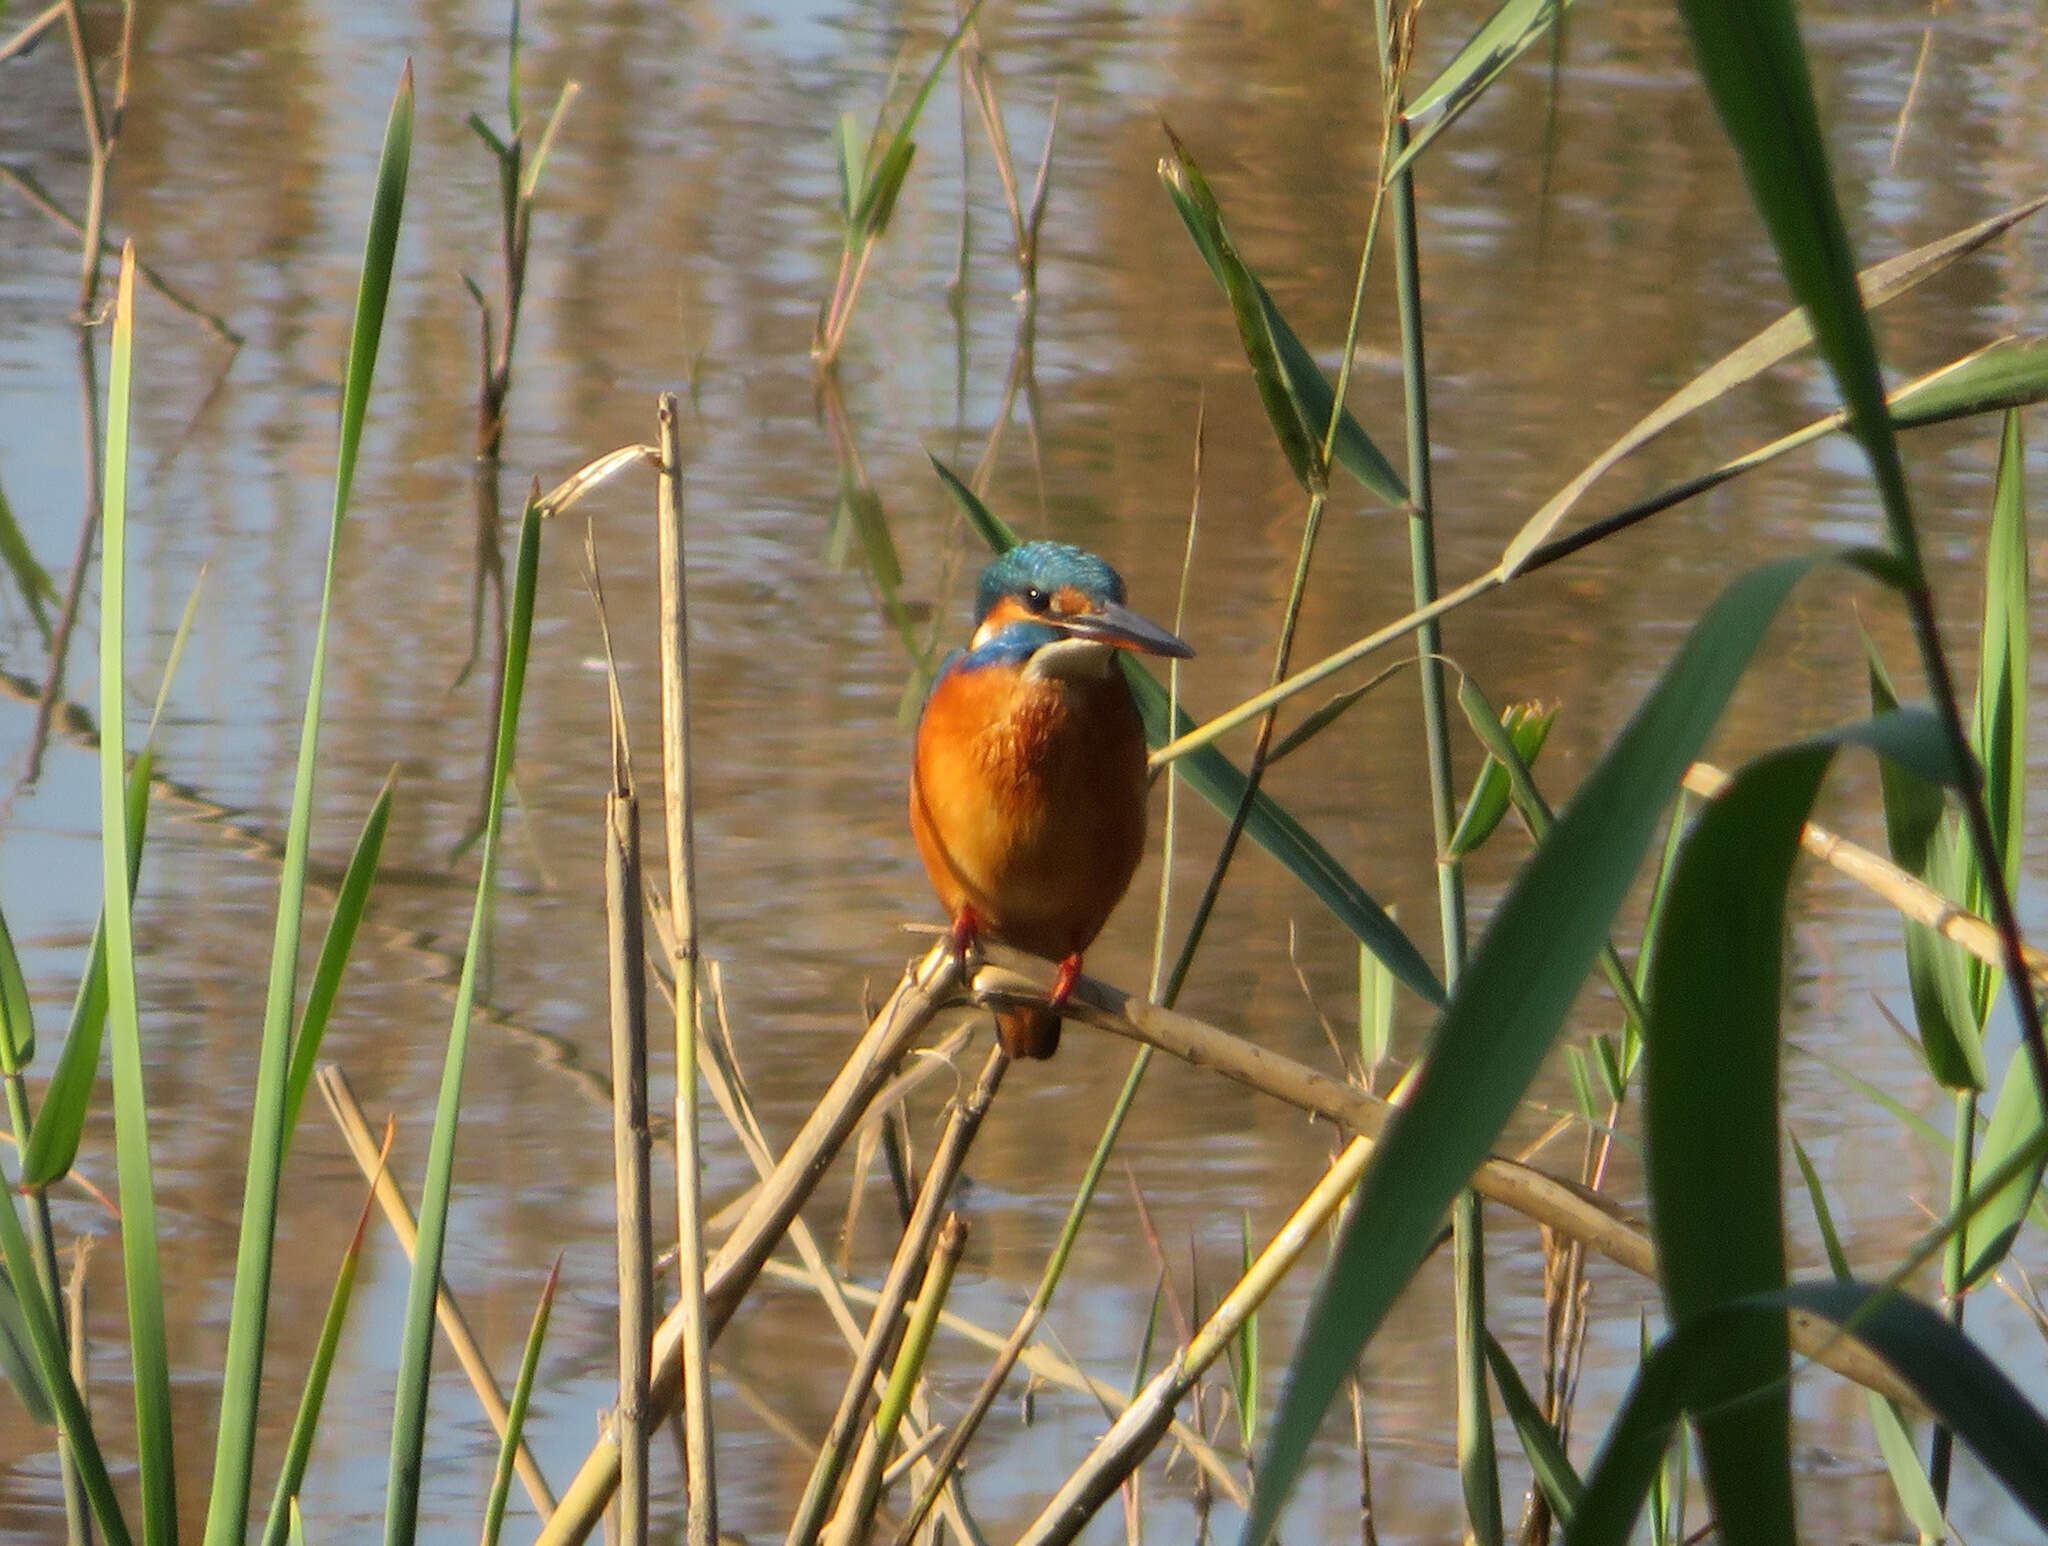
<point>1028,782</point>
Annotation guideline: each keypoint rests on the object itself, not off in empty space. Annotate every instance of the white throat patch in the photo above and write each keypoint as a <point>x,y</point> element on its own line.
<point>1070,660</point>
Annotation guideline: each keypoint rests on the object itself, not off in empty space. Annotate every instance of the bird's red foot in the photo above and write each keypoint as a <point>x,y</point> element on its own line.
<point>964,937</point>
<point>1063,985</point>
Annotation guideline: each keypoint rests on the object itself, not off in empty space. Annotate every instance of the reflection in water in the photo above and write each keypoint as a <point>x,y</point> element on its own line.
<point>685,231</point>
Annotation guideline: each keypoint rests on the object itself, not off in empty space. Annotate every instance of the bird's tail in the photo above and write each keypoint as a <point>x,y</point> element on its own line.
<point>1028,1031</point>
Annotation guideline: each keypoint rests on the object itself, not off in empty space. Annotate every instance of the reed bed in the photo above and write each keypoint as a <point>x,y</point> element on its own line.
<point>1685,1051</point>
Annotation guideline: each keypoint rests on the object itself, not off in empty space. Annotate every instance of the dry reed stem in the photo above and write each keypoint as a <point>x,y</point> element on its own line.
<point>630,1138</point>
<point>928,985</point>
<point>103,133</point>
<point>364,1149</point>
<point>1914,900</point>
<point>1044,1363</point>
<point>28,188</point>
<point>854,1523</point>
<point>78,1516</point>
<point>32,29</point>
<point>906,1273</point>
<point>1132,1436</point>
<point>732,1099</point>
<point>1549,1200</point>
<point>682,898</point>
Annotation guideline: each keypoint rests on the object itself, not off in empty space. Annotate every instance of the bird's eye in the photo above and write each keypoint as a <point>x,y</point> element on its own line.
<point>1037,599</point>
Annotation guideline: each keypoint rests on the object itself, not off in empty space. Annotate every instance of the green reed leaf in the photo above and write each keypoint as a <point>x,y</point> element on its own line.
<point>1548,1462</point>
<point>227,1511</point>
<point>53,1369</point>
<point>1528,727</point>
<point>1298,397</point>
<point>1881,282</point>
<point>1754,67</point>
<point>1505,1013</point>
<point>2000,720</point>
<point>1711,1099</point>
<point>2015,1124</point>
<point>17,1014</point>
<point>1501,40</point>
<point>1963,1388</point>
<point>18,1358</point>
<point>1923,841</point>
<point>349,905</point>
<point>60,1119</point>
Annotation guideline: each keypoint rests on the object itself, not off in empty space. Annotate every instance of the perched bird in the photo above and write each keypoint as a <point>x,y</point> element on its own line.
<point>1027,787</point>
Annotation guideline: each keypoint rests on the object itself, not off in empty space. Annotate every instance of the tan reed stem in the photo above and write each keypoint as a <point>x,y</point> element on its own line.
<point>631,1141</point>
<point>856,1517</point>
<point>927,987</point>
<point>1131,1437</point>
<point>906,1273</point>
<point>364,1149</point>
<point>682,901</point>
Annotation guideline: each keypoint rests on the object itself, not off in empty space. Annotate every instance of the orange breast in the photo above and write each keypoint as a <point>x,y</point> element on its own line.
<point>1027,799</point>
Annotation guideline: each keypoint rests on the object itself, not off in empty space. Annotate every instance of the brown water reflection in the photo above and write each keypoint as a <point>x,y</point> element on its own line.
<point>687,239</point>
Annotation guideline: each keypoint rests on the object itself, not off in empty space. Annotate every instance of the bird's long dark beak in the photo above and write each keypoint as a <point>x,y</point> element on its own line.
<point>1120,626</point>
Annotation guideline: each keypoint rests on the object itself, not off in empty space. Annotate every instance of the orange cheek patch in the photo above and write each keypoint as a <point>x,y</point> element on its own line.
<point>1069,602</point>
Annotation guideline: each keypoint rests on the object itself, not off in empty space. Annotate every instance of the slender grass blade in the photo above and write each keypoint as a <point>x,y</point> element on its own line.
<point>1754,67</point>
<point>2001,710</point>
<point>415,1357</point>
<point>1792,332</point>
<point>1548,1462</point>
<point>349,906</point>
<point>18,1360</point>
<point>140,1266</point>
<point>515,1412</point>
<point>313,1395</point>
<point>1894,1442</point>
<point>54,1371</point>
<point>227,1511</point>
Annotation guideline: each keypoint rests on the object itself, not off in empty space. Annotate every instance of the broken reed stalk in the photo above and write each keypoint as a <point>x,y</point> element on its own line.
<point>928,986</point>
<point>1132,1436</point>
<point>631,1141</point>
<point>855,1521</point>
<point>369,1158</point>
<point>77,1507</point>
<point>1537,1195</point>
<point>103,133</point>
<point>682,900</point>
<point>906,1273</point>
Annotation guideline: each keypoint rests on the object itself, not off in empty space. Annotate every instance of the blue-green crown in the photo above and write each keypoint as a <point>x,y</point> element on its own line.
<point>1047,566</point>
